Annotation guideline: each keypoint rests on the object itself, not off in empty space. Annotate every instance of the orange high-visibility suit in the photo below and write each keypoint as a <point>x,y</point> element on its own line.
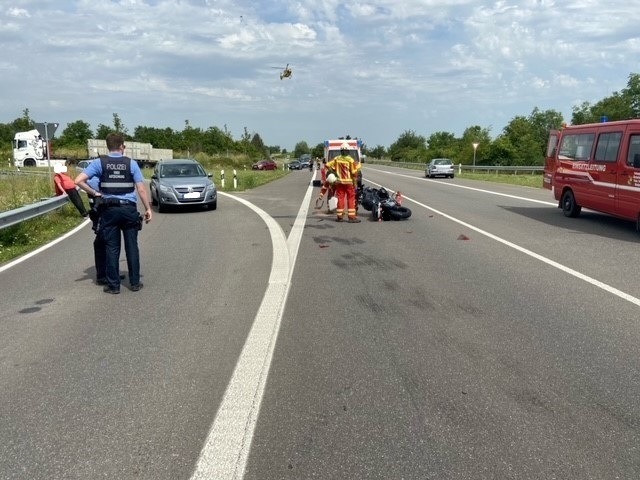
<point>347,173</point>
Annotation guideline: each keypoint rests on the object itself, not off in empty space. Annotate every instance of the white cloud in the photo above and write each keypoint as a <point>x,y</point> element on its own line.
<point>18,13</point>
<point>425,65</point>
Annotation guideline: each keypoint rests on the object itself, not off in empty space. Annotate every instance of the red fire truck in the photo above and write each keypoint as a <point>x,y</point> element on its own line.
<point>596,166</point>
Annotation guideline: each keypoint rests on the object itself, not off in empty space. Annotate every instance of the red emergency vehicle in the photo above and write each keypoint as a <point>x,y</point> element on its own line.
<point>596,166</point>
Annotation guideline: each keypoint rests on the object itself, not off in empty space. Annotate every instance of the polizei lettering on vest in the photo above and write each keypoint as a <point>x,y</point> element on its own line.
<point>116,166</point>
<point>116,178</point>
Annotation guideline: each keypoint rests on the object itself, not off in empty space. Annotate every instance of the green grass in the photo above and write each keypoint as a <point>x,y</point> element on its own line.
<point>26,236</point>
<point>246,179</point>
<point>24,189</point>
<point>522,179</point>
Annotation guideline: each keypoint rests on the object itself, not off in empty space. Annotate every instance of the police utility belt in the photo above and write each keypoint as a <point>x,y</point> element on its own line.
<point>113,202</point>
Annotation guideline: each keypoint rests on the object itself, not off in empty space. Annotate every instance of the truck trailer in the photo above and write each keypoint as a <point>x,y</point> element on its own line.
<point>143,153</point>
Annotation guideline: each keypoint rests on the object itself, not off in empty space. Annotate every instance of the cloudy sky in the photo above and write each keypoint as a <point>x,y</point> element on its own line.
<point>371,69</point>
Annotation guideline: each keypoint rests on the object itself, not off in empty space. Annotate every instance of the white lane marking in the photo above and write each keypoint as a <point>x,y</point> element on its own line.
<point>295,236</point>
<point>42,248</point>
<point>548,261</point>
<point>490,192</point>
<point>226,450</point>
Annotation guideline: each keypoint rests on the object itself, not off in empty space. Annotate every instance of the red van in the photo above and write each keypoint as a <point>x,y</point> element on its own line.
<point>596,166</point>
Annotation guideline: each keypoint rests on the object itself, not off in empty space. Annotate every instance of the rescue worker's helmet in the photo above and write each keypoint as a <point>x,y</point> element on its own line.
<point>344,149</point>
<point>331,178</point>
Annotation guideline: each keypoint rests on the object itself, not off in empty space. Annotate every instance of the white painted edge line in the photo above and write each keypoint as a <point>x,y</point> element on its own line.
<point>295,236</point>
<point>453,185</point>
<point>548,261</point>
<point>42,248</point>
<point>226,449</point>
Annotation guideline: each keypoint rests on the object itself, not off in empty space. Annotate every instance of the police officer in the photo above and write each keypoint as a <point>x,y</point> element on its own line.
<point>121,182</point>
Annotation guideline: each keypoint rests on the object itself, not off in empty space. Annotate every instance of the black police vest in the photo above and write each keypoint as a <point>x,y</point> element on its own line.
<point>116,178</point>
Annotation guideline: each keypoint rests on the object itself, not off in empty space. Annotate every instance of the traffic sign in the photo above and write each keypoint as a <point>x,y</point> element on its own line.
<point>46,130</point>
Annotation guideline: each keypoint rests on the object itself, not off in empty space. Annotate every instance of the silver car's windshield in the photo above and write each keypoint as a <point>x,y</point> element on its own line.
<point>182,170</point>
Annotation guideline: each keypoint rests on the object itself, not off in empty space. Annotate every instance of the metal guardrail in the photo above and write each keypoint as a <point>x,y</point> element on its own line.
<point>502,168</point>
<point>18,172</point>
<point>460,167</point>
<point>13,217</point>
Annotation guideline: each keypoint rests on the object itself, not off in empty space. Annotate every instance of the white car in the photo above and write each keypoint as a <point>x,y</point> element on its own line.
<point>439,166</point>
<point>82,164</point>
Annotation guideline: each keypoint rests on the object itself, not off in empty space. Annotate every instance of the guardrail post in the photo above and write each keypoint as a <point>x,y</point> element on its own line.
<point>460,169</point>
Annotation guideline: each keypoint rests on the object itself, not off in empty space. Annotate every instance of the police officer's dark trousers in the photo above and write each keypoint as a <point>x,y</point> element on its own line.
<point>99,253</point>
<point>113,220</point>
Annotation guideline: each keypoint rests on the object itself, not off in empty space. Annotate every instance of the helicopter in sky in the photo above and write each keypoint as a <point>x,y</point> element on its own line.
<point>285,73</point>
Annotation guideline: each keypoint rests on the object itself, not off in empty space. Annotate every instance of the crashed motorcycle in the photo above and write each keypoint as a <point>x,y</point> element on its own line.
<point>381,204</point>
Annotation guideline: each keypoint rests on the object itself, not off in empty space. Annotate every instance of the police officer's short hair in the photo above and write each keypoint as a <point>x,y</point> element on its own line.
<point>114,140</point>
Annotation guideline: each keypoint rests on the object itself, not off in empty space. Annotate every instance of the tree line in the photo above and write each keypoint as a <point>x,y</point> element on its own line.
<point>190,141</point>
<point>522,141</point>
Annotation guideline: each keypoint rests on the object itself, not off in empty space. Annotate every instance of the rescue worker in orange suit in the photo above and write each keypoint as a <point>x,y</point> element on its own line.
<point>346,170</point>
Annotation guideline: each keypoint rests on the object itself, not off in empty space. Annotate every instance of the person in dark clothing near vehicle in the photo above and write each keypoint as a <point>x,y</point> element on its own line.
<point>99,249</point>
<point>64,184</point>
<point>121,182</point>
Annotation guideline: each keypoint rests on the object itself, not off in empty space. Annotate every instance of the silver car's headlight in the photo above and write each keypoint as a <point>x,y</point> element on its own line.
<point>165,189</point>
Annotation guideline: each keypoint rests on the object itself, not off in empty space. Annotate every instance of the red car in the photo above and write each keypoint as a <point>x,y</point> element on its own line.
<point>265,165</point>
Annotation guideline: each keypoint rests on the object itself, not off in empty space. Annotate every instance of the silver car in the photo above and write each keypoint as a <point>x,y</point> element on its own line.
<point>439,166</point>
<point>180,183</point>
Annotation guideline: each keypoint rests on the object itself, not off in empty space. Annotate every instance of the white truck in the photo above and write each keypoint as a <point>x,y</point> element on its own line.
<point>30,150</point>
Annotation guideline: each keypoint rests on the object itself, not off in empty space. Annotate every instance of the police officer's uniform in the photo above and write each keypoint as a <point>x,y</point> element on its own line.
<point>118,213</point>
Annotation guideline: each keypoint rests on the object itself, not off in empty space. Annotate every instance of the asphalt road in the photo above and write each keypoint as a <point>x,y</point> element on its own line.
<point>487,337</point>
